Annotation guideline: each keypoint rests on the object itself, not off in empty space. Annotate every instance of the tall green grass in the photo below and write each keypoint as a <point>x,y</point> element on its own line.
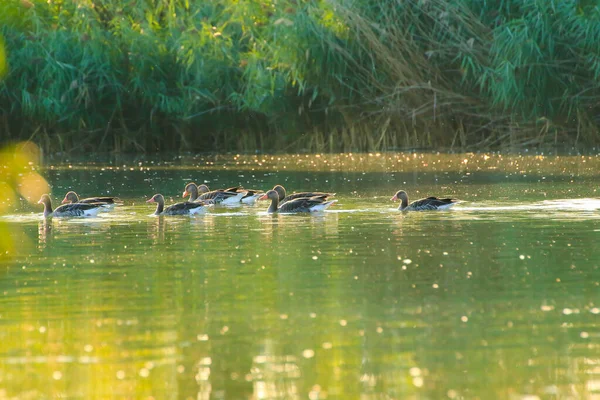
<point>146,75</point>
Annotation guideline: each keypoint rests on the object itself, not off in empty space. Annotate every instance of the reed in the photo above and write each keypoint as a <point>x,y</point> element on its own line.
<point>340,75</point>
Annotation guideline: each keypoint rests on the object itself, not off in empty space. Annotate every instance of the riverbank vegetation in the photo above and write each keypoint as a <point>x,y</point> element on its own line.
<point>339,75</point>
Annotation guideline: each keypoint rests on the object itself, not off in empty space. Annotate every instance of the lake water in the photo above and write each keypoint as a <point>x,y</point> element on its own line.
<point>496,298</point>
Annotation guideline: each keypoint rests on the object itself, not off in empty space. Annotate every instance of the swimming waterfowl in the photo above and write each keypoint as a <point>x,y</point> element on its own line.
<point>297,205</point>
<point>70,210</point>
<point>185,208</point>
<point>228,196</point>
<point>283,198</point>
<point>430,203</point>
<point>72,197</point>
<point>191,189</point>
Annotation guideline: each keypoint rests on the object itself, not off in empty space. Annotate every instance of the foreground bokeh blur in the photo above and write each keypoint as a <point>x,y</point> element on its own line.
<point>3,63</point>
<point>19,178</point>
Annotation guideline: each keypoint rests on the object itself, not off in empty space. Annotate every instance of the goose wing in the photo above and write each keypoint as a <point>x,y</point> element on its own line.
<point>102,199</point>
<point>302,204</point>
<point>306,194</point>
<point>217,196</point>
<point>431,203</point>
<point>235,189</point>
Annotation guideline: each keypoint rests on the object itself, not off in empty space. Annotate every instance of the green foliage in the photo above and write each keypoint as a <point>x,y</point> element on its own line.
<point>192,74</point>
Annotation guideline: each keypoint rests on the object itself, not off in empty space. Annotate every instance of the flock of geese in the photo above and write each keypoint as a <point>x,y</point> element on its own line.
<point>201,198</point>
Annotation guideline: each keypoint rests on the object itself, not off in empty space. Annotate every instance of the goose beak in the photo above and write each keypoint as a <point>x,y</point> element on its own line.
<point>185,193</point>
<point>263,197</point>
<point>394,198</point>
<point>39,201</point>
<point>64,201</point>
<point>150,201</point>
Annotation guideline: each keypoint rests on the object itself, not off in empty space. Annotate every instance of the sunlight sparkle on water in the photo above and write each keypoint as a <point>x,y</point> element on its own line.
<point>418,381</point>
<point>308,353</point>
<point>206,361</point>
<point>184,281</point>
<point>316,393</point>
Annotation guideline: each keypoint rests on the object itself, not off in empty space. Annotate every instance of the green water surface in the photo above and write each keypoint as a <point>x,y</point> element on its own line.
<point>496,298</point>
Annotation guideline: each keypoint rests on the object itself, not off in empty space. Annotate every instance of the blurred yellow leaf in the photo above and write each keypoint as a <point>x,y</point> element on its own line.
<point>8,199</point>
<point>3,63</point>
<point>32,186</point>
<point>7,241</point>
<point>18,173</point>
<point>19,163</point>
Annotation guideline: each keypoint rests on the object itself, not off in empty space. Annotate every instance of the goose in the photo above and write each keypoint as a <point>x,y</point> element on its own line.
<point>297,205</point>
<point>185,208</point>
<point>72,197</point>
<point>430,203</point>
<point>228,196</point>
<point>70,210</point>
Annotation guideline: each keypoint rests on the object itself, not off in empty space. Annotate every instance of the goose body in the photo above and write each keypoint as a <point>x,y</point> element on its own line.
<point>430,203</point>
<point>230,196</point>
<point>184,208</point>
<point>283,197</point>
<point>296,205</point>
<point>71,210</point>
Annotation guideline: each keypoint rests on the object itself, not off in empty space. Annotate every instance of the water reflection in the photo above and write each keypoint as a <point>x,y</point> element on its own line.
<point>274,376</point>
<point>44,232</point>
<point>156,230</point>
<point>494,299</point>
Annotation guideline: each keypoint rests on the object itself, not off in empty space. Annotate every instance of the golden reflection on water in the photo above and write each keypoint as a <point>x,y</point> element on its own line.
<point>495,299</point>
<point>44,233</point>
<point>274,376</point>
<point>157,229</point>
